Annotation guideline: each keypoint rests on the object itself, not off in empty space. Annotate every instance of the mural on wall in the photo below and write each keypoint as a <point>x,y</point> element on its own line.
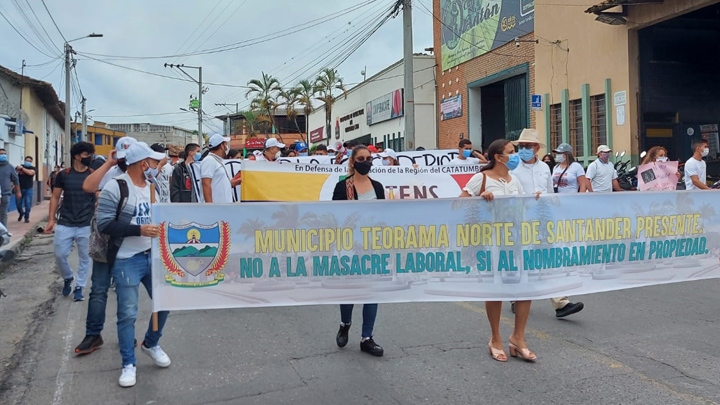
<point>471,28</point>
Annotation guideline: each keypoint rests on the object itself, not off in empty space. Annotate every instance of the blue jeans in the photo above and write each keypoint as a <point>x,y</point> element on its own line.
<point>25,202</point>
<point>63,241</point>
<point>128,274</point>
<point>97,302</point>
<point>369,315</point>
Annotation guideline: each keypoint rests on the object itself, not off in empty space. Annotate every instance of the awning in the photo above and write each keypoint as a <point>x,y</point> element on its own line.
<point>615,18</point>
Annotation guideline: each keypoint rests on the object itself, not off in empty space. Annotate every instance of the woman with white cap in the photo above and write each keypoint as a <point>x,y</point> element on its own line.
<point>389,158</point>
<point>568,175</point>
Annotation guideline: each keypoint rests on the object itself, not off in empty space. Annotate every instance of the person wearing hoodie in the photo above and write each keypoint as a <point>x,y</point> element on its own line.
<point>8,180</point>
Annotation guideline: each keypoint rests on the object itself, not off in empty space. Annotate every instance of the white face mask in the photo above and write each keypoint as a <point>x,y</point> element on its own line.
<point>705,152</point>
<point>560,158</point>
<point>278,155</point>
<point>385,162</point>
<point>662,159</point>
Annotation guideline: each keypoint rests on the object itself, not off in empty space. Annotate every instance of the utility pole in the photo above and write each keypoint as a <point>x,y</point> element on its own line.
<point>67,141</point>
<point>201,90</point>
<point>409,79</point>
<point>83,138</point>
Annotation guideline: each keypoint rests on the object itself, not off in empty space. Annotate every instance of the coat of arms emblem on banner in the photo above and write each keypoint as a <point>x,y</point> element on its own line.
<point>194,254</point>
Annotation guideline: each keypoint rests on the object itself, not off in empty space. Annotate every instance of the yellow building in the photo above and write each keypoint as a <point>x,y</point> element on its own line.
<point>99,135</point>
<point>629,74</point>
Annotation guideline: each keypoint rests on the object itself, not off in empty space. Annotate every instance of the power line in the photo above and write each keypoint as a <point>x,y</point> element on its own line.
<point>23,36</point>
<point>140,115</point>
<point>248,42</point>
<point>53,20</point>
<point>52,43</point>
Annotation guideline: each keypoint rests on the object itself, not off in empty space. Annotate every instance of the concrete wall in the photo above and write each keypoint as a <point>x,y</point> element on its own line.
<point>10,106</point>
<point>601,57</point>
<point>383,83</point>
<point>36,112</point>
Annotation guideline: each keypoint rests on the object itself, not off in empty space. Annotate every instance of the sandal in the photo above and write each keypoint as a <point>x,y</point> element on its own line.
<point>524,353</point>
<point>497,354</point>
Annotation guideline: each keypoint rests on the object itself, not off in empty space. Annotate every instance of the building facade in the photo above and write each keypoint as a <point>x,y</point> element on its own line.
<point>372,112</point>
<point>631,76</point>
<point>99,135</point>
<point>485,54</point>
<point>249,125</point>
<point>32,125</point>
<point>151,133</point>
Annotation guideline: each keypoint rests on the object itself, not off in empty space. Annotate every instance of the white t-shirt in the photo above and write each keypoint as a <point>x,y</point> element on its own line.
<point>697,168</point>
<point>133,245</point>
<point>111,174</point>
<point>602,176</point>
<point>466,161</point>
<point>569,181</point>
<point>534,177</point>
<point>497,187</point>
<point>211,167</point>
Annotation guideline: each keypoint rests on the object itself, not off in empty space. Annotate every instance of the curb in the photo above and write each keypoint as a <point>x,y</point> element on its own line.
<point>18,245</point>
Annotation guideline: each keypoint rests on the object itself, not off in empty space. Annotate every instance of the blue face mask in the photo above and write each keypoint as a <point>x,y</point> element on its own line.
<point>513,161</point>
<point>3,158</point>
<point>303,154</point>
<point>526,154</point>
<point>28,164</point>
<point>467,153</point>
<point>349,151</point>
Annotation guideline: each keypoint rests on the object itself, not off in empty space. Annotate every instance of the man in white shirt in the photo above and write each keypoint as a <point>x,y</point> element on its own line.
<point>695,168</point>
<point>465,157</point>
<point>163,180</point>
<point>216,182</point>
<point>602,173</point>
<point>535,177</point>
<point>534,174</point>
<point>271,152</point>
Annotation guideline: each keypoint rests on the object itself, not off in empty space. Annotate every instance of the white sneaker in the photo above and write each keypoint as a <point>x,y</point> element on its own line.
<point>160,358</point>
<point>127,378</point>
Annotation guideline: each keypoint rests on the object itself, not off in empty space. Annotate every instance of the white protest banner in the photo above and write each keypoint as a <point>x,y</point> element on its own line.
<point>438,157</point>
<point>264,181</point>
<point>514,248</point>
<point>233,167</point>
<point>658,176</point>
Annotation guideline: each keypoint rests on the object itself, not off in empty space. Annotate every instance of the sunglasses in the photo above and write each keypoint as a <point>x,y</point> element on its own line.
<point>363,159</point>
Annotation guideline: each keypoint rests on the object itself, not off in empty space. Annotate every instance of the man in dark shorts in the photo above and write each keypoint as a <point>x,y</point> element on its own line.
<point>75,216</point>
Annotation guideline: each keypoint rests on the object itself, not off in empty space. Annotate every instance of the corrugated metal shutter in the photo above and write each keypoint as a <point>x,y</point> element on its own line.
<point>516,98</point>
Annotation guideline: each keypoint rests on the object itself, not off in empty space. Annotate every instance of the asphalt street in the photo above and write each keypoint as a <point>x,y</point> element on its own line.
<point>654,345</point>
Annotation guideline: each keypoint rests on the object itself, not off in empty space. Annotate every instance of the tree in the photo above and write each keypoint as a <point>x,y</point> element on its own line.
<point>328,81</point>
<point>251,122</point>
<point>306,92</point>
<point>290,100</point>
<point>264,92</point>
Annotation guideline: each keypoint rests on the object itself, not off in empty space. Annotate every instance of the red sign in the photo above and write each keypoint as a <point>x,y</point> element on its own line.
<point>317,135</point>
<point>254,143</point>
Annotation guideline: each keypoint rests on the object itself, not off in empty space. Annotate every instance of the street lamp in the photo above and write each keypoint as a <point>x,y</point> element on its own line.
<point>68,52</point>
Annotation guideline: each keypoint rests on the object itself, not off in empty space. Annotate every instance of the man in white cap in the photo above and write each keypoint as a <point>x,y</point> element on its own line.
<point>389,157</point>
<point>129,253</point>
<point>114,166</point>
<point>272,151</point>
<point>217,186</point>
<point>602,173</point>
<point>535,177</point>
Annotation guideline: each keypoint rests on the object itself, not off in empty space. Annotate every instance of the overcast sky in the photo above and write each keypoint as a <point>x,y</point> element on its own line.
<point>141,28</point>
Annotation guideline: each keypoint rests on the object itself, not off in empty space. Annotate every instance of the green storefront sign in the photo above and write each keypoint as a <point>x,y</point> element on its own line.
<point>471,28</point>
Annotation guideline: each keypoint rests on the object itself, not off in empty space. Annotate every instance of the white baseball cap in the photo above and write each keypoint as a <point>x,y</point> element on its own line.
<point>140,151</point>
<point>273,142</point>
<point>122,145</point>
<point>388,153</point>
<point>217,139</point>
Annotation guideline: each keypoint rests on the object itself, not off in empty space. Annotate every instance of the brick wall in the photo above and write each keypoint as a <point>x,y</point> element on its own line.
<point>456,79</point>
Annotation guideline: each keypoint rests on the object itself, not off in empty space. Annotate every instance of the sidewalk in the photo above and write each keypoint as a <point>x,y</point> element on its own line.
<point>20,230</point>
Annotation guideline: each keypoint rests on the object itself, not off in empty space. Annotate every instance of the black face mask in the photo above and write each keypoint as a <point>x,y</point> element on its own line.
<point>122,164</point>
<point>363,167</point>
<point>86,161</point>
